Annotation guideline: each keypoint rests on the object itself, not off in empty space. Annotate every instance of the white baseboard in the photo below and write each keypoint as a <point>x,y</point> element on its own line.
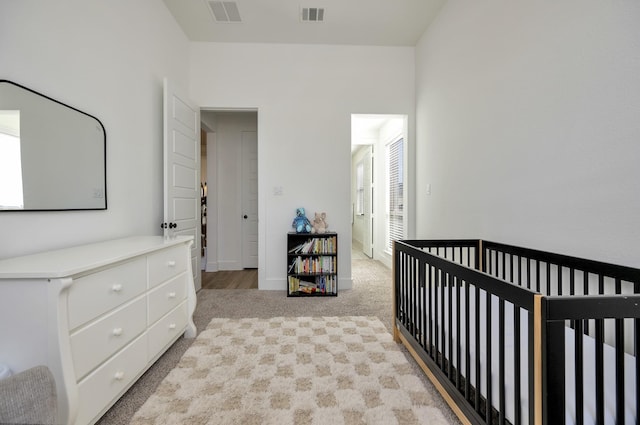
<point>230,265</point>
<point>346,283</point>
<point>273,285</point>
<point>211,266</point>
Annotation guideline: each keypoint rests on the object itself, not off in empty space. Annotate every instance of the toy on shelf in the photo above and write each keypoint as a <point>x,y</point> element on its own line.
<point>301,223</point>
<point>319,224</point>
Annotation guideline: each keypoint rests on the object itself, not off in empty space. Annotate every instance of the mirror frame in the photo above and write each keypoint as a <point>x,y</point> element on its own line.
<point>104,148</point>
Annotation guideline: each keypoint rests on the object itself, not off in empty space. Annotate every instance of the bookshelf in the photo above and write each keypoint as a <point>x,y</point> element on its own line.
<point>312,264</point>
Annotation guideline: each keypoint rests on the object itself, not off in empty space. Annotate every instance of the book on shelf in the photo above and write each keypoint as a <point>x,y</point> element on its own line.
<point>322,284</point>
<point>322,264</point>
<point>316,245</point>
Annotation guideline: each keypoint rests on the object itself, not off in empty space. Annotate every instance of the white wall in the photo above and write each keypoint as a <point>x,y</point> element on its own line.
<point>107,59</point>
<point>305,96</point>
<point>527,125</point>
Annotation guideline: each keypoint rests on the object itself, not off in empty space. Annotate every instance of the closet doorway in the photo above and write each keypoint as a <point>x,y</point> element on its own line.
<point>229,174</point>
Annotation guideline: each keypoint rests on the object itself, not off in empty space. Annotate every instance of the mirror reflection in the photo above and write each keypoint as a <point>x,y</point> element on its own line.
<point>52,156</point>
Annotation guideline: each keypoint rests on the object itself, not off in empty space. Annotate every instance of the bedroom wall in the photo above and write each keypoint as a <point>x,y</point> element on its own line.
<point>107,59</point>
<point>527,126</point>
<point>305,96</point>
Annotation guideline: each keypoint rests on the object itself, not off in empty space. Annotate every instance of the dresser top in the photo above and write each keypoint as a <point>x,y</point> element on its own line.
<point>78,259</point>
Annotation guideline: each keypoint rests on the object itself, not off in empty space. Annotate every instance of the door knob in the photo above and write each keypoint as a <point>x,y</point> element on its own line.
<point>246,216</point>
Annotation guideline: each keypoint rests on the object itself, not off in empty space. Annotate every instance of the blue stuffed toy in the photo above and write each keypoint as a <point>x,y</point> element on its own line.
<point>301,223</point>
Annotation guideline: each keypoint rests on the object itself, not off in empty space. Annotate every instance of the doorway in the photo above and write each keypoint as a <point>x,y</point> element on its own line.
<point>229,177</point>
<point>378,195</point>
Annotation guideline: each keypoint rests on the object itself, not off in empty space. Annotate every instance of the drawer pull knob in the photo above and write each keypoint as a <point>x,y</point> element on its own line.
<point>117,331</point>
<point>118,376</point>
<point>171,263</point>
<point>172,326</point>
<point>117,287</point>
<point>171,294</point>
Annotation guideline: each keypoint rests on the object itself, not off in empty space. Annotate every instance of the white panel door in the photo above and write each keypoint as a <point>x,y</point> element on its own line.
<point>182,171</point>
<point>367,232</point>
<point>249,199</point>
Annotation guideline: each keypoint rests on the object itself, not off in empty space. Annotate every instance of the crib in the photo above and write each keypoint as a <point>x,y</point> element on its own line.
<point>512,335</point>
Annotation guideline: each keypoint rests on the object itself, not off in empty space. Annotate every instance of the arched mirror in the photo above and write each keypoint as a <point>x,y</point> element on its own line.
<point>52,156</point>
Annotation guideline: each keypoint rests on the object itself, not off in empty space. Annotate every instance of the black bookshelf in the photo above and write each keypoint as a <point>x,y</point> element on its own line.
<point>312,264</point>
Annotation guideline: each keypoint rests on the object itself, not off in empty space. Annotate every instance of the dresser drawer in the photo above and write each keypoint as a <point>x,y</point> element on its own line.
<point>167,329</point>
<point>96,342</point>
<point>95,294</point>
<point>166,264</point>
<point>98,391</point>
<point>166,297</point>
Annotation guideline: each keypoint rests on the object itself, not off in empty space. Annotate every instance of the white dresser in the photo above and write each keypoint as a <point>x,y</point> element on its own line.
<point>98,315</point>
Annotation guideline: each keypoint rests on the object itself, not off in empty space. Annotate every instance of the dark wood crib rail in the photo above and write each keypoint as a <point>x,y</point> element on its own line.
<point>441,289</point>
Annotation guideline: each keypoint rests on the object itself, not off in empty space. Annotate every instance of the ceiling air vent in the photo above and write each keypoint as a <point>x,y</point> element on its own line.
<point>225,11</point>
<point>312,14</point>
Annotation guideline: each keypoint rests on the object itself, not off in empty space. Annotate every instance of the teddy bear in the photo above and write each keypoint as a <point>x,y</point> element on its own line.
<point>319,223</point>
<point>301,222</point>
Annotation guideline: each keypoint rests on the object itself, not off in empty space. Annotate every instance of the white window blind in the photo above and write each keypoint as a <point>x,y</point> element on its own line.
<point>360,188</point>
<point>395,211</point>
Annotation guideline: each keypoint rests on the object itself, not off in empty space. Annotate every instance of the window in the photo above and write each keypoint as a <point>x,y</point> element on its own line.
<point>395,192</point>
<point>360,188</point>
<point>11,195</point>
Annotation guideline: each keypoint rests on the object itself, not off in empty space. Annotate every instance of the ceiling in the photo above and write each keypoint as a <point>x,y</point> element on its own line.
<point>350,22</point>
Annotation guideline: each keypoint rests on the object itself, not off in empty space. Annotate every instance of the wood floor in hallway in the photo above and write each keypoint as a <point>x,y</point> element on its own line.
<point>248,278</point>
<point>236,279</point>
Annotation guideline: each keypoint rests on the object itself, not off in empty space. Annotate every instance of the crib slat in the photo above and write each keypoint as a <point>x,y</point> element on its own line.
<point>511,268</point>
<point>501,360</point>
<point>504,267</point>
<point>517,371</point>
<point>489,357</point>
<point>637,355</point>
<point>559,269</point>
<point>528,273</point>
<point>430,315</point>
<point>554,385</point>
<point>467,342</point>
<point>436,317</point>
<point>548,267</point>
<point>579,372</point>
<point>599,371</point>
<point>414,298</point>
<point>619,371</point>
<point>537,276</point>
<point>585,289</point>
<point>458,338</point>
<point>422,289</point>
<point>572,281</point>
<point>478,352</point>
<point>533,348</point>
<point>443,279</point>
<point>619,363</point>
<point>449,280</point>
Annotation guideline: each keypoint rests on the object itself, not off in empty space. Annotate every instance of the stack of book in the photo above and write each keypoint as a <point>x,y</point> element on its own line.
<point>316,246</point>
<point>322,264</point>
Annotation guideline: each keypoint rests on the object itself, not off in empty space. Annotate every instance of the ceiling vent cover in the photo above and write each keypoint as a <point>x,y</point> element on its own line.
<point>312,14</point>
<point>225,11</point>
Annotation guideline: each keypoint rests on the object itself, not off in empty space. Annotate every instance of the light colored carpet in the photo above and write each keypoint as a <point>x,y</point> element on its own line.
<point>292,370</point>
<point>370,296</point>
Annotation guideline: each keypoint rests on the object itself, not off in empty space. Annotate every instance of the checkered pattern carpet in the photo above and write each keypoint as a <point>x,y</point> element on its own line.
<point>291,370</point>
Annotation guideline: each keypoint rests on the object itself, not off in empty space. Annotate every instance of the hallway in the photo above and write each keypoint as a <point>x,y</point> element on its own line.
<point>248,278</point>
